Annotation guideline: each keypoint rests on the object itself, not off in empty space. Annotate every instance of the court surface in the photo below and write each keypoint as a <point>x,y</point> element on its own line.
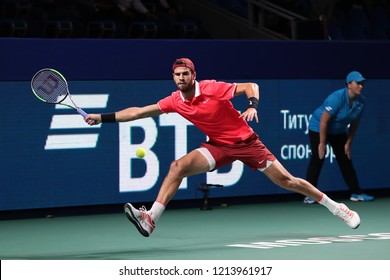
<point>265,231</point>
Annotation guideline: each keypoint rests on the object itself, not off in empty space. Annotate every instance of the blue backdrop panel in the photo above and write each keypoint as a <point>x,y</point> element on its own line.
<point>35,173</point>
<point>51,158</point>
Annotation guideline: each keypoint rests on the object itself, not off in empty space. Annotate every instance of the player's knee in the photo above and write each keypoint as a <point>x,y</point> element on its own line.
<point>177,169</point>
<point>289,183</point>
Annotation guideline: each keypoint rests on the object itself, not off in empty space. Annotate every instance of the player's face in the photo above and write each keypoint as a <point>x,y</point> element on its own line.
<point>356,87</point>
<point>184,78</point>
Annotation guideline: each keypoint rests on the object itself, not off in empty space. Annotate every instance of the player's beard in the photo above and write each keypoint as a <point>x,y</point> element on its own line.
<point>185,87</point>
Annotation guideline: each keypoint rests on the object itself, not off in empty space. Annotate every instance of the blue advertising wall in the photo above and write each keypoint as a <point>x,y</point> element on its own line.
<point>51,158</point>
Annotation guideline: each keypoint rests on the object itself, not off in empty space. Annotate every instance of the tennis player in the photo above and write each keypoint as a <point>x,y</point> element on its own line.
<point>207,105</point>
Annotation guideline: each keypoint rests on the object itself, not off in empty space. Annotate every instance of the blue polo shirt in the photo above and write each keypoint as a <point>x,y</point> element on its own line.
<point>337,105</point>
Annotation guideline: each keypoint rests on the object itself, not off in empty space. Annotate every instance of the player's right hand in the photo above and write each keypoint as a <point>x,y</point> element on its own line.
<point>93,119</point>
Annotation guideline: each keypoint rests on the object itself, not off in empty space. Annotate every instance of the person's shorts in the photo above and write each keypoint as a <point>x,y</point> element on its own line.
<point>251,152</point>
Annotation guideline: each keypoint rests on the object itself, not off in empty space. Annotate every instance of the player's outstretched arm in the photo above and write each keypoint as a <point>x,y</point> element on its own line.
<point>135,113</point>
<point>125,115</point>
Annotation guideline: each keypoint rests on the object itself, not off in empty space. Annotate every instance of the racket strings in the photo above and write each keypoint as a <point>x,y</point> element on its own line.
<point>50,86</point>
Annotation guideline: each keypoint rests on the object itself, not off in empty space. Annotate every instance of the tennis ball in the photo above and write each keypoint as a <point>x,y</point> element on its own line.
<point>140,153</point>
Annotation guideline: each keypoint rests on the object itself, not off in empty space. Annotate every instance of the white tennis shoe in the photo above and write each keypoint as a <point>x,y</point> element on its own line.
<point>351,218</point>
<point>141,219</point>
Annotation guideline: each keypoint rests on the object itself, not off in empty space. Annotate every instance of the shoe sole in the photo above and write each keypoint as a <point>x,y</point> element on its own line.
<point>355,213</point>
<point>309,202</point>
<point>131,217</point>
<point>358,199</point>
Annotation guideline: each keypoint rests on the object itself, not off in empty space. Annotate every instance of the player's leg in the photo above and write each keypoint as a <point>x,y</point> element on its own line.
<point>280,176</point>
<point>193,163</point>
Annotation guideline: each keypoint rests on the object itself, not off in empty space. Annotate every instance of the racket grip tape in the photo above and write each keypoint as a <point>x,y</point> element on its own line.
<point>82,112</point>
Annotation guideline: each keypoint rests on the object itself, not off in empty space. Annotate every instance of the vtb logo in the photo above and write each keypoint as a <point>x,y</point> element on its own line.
<point>61,124</point>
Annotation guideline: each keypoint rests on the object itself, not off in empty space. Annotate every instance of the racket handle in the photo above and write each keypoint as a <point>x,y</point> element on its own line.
<point>82,112</point>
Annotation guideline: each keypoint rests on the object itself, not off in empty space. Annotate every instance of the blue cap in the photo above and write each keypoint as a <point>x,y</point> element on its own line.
<point>354,76</point>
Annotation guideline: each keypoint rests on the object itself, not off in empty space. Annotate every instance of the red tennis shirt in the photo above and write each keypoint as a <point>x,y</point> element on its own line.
<point>211,111</point>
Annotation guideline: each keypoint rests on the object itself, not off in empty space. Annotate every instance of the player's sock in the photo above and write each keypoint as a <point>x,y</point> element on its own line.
<point>328,203</point>
<point>156,210</point>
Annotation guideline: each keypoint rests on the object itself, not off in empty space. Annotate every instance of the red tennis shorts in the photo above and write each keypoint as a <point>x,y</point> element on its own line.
<point>251,152</point>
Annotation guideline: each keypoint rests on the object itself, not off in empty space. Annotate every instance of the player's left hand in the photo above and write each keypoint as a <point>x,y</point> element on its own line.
<point>249,115</point>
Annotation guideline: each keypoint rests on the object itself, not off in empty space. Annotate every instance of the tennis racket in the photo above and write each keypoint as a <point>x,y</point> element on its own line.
<point>49,86</point>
